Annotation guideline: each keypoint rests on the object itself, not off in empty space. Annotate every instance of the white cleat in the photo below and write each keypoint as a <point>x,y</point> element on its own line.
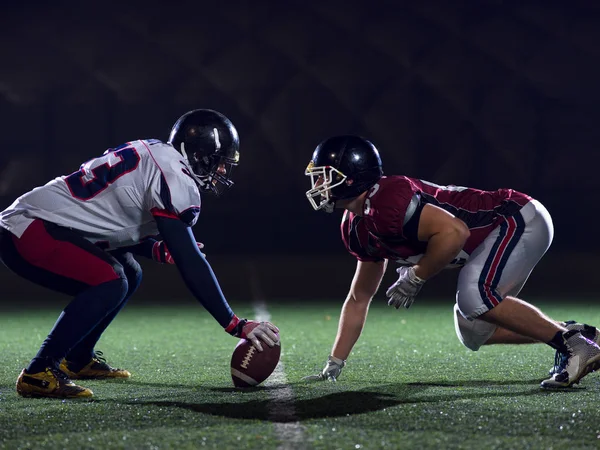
<point>581,358</point>
<point>588,331</point>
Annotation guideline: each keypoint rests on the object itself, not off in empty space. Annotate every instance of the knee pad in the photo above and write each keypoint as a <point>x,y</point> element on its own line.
<point>472,333</point>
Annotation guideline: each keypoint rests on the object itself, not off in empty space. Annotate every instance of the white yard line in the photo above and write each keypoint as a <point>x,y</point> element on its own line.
<point>288,429</point>
<point>282,411</point>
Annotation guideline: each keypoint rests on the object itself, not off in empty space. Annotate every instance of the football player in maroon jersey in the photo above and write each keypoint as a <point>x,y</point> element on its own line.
<point>495,237</point>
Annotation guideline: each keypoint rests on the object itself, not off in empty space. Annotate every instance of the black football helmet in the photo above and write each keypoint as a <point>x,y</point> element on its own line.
<point>210,145</point>
<point>342,167</point>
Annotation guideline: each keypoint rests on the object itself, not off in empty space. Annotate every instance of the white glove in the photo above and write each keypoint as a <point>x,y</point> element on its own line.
<point>404,291</point>
<point>332,370</point>
<point>260,331</point>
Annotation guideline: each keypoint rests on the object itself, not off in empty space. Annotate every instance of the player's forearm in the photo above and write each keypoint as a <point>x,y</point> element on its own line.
<point>442,248</point>
<point>352,321</point>
<point>202,282</point>
<point>195,270</point>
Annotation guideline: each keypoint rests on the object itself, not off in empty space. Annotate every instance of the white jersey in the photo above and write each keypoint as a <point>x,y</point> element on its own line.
<point>112,199</point>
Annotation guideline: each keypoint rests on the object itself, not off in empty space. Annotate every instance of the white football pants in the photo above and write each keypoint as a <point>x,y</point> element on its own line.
<point>499,267</point>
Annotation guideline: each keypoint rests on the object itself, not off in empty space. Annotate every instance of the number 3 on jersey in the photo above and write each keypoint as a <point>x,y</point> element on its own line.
<point>367,207</point>
<point>97,174</point>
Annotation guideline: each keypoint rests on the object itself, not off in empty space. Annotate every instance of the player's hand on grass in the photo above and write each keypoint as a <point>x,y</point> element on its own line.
<point>404,291</point>
<point>331,372</point>
<point>256,332</point>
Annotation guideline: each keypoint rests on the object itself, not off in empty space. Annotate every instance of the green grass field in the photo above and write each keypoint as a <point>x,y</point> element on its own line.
<point>408,384</point>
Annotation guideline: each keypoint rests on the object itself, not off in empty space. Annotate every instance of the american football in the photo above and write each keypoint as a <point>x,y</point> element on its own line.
<point>249,367</point>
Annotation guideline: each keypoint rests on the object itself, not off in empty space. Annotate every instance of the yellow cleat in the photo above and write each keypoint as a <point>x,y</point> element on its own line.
<point>96,369</point>
<point>49,383</point>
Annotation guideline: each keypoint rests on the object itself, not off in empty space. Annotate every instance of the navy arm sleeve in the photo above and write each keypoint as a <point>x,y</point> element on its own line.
<point>195,270</point>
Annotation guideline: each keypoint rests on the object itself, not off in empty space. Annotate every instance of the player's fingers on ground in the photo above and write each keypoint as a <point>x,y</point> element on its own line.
<point>395,300</point>
<point>407,301</point>
<point>318,377</point>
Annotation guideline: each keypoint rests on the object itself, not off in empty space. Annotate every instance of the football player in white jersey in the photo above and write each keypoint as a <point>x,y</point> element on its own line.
<point>78,234</point>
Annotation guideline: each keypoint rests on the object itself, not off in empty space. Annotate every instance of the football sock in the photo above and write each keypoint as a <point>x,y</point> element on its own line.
<point>558,342</point>
<point>80,355</point>
<point>83,352</point>
<point>79,317</point>
<point>39,364</point>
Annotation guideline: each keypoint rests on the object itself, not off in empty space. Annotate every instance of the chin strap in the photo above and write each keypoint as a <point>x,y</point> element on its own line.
<point>329,207</point>
<point>202,183</point>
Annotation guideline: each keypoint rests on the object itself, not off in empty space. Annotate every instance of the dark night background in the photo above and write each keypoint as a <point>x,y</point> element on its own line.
<point>486,94</point>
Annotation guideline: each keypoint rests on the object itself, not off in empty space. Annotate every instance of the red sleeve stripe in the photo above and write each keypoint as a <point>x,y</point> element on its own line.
<point>163,213</point>
<point>232,324</point>
<point>156,252</point>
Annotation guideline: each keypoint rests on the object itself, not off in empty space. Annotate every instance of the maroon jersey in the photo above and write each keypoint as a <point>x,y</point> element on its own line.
<point>386,231</point>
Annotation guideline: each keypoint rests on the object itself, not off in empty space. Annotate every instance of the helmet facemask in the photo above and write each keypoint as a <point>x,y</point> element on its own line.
<point>323,180</point>
<point>206,170</point>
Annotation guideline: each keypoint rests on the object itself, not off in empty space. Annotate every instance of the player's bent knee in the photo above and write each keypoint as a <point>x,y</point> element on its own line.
<point>121,283</point>
<point>469,303</point>
<point>472,333</point>
<point>132,270</point>
<point>134,277</point>
<point>115,291</point>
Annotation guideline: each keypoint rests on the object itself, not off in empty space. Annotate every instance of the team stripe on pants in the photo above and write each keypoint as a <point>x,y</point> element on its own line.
<point>511,231</point>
